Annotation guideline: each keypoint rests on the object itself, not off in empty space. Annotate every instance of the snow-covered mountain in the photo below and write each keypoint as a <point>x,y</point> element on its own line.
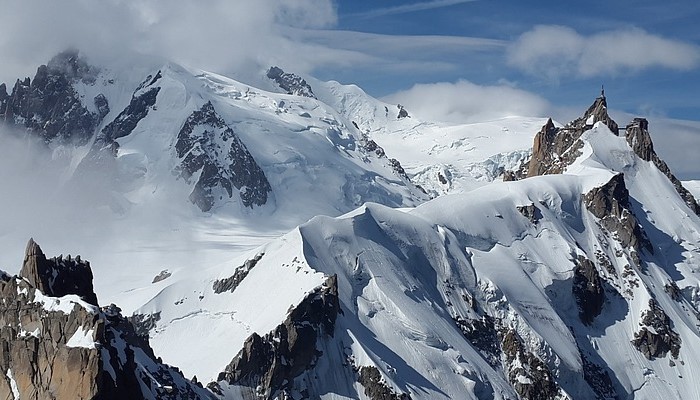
<point>214,133</point>
<point>574,278</point>
<point>577,284</point>
<point>135,155</point>
<point>442,158</point>
<point>179,155</point>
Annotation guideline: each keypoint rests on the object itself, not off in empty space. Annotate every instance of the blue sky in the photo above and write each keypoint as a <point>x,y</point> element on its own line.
<point>656,89</point>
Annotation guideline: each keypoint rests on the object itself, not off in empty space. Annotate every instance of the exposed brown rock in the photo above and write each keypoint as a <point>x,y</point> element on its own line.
<point>657,337</point>
<point>375,388</point>
<point>57,276</point>
<point>528,374</point>
<point>611,204</point>
<point>532,213</point>
<point>587,290</point>
<point>556,148</point>
<point>231,283</point>
<point>268,364</point>
<point>56,346</point>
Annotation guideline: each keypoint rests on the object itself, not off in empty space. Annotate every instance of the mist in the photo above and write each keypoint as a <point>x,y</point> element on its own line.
<point>217,35</point>
<point>127,242</point>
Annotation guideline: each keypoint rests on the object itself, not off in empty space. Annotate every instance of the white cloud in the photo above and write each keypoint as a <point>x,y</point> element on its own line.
<point>220,35</point>
<point>387,55</point>
<point>558,51</point>
<point>464,101</point>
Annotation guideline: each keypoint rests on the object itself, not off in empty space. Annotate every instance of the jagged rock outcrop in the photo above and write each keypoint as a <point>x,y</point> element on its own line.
<point>58,277</point>
<point>231,283</point>
<point>638,137</point>
<point>375,388</point>
<point>59,346</point>
<point>656,338</point>
<point>267,365</point>
<point>370,146</point>
<point>482,334</point>
<point>531,212</point>
<point>402,112</point>
<point>556,148</point>
<point>142,101</point>
<point>598,379</point>
<point>290,83</point>
<point>503,348</point>
<point>528,374</point>
<point>100,165</point>
<point>207,144</point>
<point>587,290</point>
<point>611,204</point>
<point>49,106</point>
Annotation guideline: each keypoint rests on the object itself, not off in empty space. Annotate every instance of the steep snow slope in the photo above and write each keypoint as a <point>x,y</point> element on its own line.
<point>693,187</point>
<point>442,158</point>
<point>519,288</point>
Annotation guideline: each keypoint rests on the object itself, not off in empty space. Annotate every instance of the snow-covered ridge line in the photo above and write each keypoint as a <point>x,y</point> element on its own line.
<point>536,286</point>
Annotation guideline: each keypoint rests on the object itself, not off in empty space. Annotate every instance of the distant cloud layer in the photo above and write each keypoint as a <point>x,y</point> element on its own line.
<point>216,34</point>
<point>557,51</point>
<point>464,101</point>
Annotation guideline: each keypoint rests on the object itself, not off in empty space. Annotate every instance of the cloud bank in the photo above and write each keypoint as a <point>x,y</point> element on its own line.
<point>464,101</point>
<point>557,51</point>
<point>219,35</point>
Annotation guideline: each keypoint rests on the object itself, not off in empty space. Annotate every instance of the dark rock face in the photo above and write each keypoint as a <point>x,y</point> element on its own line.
<point>58,277</point>
<point>370,146</point>
<point>483,335</point>
<point>269,364</point>
<point>144,323</point>
<point>598,379</point>
<point>661,338</point>
<point>531,212</point>
<point>162,275</point>
<point>61,348</point>
<point>375,388</point>
<point>290,83</point>
<point>102,105</point>
<point>205,143</point>
<point>528,375</point>
<point>556,148</point>
<point>611,204</point>
<point>587,290</point>
<point>49,106</point>
<point>638,137</point>
<point>99,165</point>
<point>231,283</point>
<point>143,99</point>
<point>402,112</point>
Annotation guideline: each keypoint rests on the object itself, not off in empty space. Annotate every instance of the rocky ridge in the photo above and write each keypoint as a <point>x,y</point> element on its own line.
<point>49,107</point>
<point>556,148</point>
<point>210,150</point>
<point>291,83</point>
<point>267,366</point>
<point>55,342</point>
